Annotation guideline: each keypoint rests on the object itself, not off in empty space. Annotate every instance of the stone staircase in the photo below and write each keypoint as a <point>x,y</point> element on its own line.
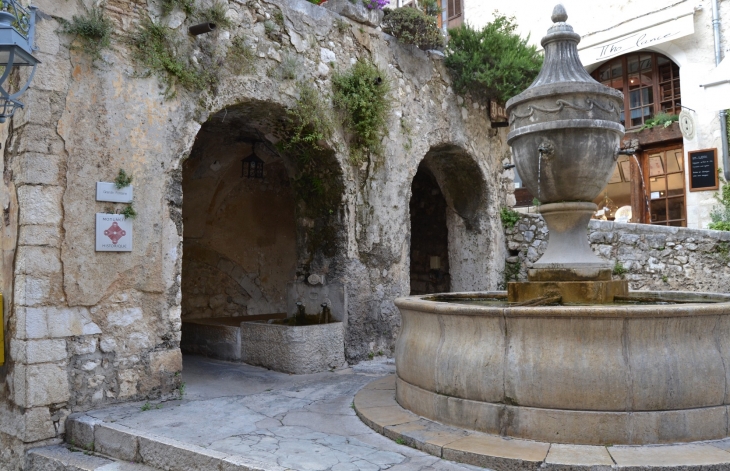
<point>61,458</point>
<point>93,445</point>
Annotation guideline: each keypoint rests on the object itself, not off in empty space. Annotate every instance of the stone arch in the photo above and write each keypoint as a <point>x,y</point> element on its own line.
<point>451,186</point>
<point>254,236</point>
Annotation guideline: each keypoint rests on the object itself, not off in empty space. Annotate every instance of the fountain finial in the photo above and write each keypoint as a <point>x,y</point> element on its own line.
<point>559,14</point>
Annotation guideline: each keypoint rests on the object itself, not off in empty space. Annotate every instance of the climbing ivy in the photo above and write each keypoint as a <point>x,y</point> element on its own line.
<point>491,63</point>
<point>362,94</point>
<point>318,183</point>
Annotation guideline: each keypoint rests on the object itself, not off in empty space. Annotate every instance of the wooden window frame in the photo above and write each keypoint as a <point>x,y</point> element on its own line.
<point>647,184</point>
<point>676,94</point>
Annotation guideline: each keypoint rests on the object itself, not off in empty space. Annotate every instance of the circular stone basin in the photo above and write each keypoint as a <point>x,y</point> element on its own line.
<point>624,373</point>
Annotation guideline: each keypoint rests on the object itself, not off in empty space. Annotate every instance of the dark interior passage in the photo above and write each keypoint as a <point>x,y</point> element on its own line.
<point>429,235</point>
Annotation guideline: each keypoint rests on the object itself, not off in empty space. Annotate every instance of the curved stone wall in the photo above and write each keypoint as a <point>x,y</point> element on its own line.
<point>603,375</point>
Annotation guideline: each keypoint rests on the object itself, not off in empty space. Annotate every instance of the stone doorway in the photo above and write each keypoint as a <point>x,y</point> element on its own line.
<point>239,236</point>
<point>429,235</point>
<point>261,240</point>
<point>448,227</point>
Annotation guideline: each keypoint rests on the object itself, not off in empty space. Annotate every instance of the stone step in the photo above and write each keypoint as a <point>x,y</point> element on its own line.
<point>123,443</point>
<point>61,458</point>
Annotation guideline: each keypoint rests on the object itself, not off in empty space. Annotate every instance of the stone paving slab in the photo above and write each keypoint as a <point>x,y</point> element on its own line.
<point>236,417</point>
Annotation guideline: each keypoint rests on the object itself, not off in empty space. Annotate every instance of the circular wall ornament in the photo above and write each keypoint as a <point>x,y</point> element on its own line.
<point>687,125</point>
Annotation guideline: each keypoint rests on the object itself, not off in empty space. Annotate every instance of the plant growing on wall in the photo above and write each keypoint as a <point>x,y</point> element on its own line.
<point>720,214</point>
<point>93,30</point>
<point>362,94</point>
<point>413,26</point>
<point>509,217</point>
<point>122,180</point>
<point>491,63</point>
<point>188,6</point>
<point>317,184</point>
<point>155,47</point>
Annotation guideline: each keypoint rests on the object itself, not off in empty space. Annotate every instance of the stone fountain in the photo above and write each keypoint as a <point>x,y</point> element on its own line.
<point>569,356</point>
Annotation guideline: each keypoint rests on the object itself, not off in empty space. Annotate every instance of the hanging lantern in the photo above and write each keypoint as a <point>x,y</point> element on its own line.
<point>17,31</point>
<point>252,167</point>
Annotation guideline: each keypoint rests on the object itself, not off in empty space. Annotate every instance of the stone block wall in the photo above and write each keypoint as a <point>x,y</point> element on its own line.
<point>84,328</point>
<point>650,257</point>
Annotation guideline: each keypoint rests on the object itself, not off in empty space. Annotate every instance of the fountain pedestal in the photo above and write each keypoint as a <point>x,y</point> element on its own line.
<point>569,269</point>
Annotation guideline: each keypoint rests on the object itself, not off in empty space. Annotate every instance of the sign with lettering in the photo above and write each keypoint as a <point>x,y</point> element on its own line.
<point>641,37</point>
<point>703,170</point>
<point>113,233</point>
<point>497,114</point>
<point>109,192</point>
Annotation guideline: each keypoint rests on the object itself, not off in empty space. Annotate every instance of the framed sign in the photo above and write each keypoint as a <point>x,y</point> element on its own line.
<point>109,192</point>
<point>703,170</point>
<point>497,114</point>
<point>113,233</point>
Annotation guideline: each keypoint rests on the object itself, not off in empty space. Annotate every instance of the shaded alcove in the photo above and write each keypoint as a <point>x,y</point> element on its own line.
<point>449,230</point>
<point>429,235</point>
<point>253,227</point>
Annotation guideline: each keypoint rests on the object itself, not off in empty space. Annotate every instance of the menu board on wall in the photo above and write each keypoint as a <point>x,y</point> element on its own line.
<point>703,170</point>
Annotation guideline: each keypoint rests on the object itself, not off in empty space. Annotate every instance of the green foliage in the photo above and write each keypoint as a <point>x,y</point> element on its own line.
<point>122,179</point>
<point>146,406</point>
<point>129,212</point>
<point>412,26</point>
<point>720,214</point>
<point>493,62</point>
<point>93,30</point>
<point>362,93</point>
<point>509,217</point>
<point>181,390</point>
<point>155,47</point>
<point>665,278</point>
<point>318,182</point>
<point>619,270</point>
<point>240,56</point>
<point>308,124</point>
<point>431,7</point>
<point>661,119</point>
<point>188,6</point>
<point>722,249</point>
<point>341,25</point>
<point>215,14</point>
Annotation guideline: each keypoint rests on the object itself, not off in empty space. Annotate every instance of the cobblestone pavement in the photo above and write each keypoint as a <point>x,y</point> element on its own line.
<point>304,422</point>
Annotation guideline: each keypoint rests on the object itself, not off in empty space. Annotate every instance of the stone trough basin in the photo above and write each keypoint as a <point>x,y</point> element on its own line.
<point>604,374</point>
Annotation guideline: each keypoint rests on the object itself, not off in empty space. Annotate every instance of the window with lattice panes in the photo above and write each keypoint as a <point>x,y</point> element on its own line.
<point>649,82</point>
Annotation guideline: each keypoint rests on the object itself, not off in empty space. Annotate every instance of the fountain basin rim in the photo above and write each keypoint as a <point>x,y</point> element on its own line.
<point>563,125</point>
<point>560,90</point>
<point>710,304</point>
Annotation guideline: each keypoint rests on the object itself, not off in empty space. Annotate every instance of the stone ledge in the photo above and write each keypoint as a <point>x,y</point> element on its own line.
<point>375,404</point>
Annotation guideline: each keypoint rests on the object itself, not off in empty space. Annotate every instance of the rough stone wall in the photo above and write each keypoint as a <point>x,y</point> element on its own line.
<point>88,328</point>
<point>653,257</point>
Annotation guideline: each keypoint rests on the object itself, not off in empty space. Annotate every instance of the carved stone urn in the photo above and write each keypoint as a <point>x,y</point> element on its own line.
<point>564,132</point>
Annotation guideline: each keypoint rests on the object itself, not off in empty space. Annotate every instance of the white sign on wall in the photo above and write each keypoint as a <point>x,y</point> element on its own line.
<point>637,34</point>
<point>109,192</point>
<point>113,233</point>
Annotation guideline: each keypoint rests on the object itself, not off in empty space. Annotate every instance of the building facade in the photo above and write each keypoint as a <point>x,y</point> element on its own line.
<point>662,55</point>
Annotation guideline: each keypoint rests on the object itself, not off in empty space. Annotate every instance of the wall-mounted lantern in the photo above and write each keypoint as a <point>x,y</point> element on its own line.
<point>17,31</point>
<point>252,167</point>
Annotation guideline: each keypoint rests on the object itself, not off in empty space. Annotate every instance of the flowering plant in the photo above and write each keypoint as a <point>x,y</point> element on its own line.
<point>376,4</point>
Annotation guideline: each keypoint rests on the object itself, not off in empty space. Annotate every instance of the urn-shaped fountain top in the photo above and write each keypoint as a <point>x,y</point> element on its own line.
<point>565,128</point>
